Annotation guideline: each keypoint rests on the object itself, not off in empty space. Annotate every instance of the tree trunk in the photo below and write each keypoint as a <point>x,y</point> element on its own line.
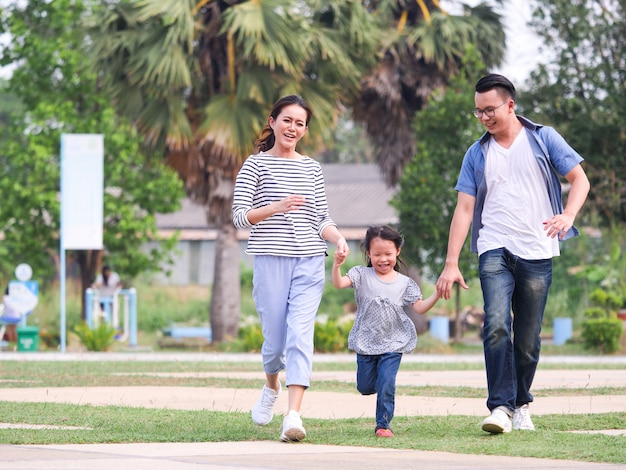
<point>88,262</point>
<point>225,307</point>
<point>458,327</point>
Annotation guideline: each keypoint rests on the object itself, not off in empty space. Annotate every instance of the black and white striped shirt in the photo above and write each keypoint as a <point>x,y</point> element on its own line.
<point>264,179</point>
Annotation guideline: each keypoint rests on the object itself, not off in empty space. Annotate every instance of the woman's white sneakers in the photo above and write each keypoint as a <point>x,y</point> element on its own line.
<point>292,428</point>
<point>263,411</point>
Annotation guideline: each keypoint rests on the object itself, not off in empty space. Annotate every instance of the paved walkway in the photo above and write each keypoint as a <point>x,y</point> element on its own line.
<point>325,405</point>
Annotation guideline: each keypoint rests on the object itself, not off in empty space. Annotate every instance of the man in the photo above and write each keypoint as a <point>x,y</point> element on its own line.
<point>510,194</point>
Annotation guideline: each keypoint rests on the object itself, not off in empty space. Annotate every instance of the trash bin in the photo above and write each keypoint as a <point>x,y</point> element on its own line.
<point>562,330</point>
<point>27,338</point>
<point>440,328</point>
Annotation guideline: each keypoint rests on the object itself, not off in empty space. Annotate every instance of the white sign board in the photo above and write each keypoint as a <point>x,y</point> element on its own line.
<point>23,272</point>
<point>82,187</point>
<point>24,296</point>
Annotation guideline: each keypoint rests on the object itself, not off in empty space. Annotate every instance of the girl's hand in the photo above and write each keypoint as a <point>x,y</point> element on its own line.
<point>342,248</point>
<point>339,258</point>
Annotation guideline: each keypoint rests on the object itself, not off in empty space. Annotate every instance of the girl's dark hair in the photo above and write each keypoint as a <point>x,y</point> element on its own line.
<point>386,233</point>
<point>493,80</point>
<point>267,139</point>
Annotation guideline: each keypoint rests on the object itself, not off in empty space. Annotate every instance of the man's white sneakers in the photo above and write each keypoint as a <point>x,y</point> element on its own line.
<point>498,422</point>
<point>521,419</point>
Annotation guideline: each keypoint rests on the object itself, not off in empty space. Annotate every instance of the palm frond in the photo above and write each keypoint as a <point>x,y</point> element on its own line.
<point>267,33</point>
<point>231,125</point>
<point>442,41</point>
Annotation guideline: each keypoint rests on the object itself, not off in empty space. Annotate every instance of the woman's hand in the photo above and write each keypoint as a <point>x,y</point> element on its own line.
<point>291,203</point>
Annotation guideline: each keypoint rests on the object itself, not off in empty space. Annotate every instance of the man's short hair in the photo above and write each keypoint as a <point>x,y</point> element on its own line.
<point>493,80</point>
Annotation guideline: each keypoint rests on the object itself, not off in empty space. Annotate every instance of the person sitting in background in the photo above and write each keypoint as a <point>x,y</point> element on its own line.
<point>107,283</point>
<point>10,316</point>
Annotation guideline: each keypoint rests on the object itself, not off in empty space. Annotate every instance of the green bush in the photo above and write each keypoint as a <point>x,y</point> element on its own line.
<point>251,337</point>
<point>602,329</point>
<point>603,334</point>
<point>331,336</point>
<point>99,338</point>
<point>246,274</point>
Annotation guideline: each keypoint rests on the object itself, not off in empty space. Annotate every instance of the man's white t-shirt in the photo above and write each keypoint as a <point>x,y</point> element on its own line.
<point>517,203</point>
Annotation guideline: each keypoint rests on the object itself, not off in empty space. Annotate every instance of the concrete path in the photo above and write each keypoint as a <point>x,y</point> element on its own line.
<point>325,405</point>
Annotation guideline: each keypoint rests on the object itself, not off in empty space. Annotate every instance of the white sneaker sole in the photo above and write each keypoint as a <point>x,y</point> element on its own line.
<point>494,428</point>
<point>293,435</point>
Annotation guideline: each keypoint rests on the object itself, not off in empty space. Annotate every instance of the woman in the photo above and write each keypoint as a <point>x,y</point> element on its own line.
<point>279,194</point>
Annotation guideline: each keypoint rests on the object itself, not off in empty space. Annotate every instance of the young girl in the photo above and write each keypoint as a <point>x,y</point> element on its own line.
<point>382,330</point>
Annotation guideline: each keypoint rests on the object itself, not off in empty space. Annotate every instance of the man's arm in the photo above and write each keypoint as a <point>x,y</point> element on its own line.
<point>461,222</point>
<point>561,223</point>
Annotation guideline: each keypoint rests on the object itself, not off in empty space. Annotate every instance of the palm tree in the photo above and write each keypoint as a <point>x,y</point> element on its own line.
<point>425,46</point>
<point>198,78</point>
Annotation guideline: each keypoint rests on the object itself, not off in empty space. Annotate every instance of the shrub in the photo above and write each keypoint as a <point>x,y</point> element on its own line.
<point>331,336</point>
<point>99,338</point>
<point>251,337</point>
<point>603,334</point>
<point>602,329</point>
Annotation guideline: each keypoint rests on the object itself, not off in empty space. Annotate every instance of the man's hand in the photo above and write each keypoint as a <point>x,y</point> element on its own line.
<point>558,225</point>
<point>448,277</point>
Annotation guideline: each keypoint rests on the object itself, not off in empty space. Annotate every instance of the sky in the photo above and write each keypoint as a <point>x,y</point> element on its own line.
<point>523,45</point>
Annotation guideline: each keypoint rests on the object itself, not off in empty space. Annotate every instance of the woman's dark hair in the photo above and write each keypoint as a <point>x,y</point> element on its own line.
<point>106,271</point>
<point>267,139</point>
<point>386,233</point>
<point>493,80</point>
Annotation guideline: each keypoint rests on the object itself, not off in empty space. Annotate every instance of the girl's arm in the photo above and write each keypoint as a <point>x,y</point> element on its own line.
<point>339,281</point>
<point>422,306</point>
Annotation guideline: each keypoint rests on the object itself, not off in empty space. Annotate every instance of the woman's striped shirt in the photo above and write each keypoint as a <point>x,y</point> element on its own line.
<point>264,179</point>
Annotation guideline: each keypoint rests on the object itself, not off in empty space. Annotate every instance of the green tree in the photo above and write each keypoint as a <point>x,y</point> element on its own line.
<point>581,90</point>
<point>198,78</point>
<point>422,46</point>
<point>58,93</point>
<point>426,198</point>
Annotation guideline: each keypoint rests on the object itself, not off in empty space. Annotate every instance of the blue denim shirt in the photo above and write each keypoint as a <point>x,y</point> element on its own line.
<point>554,156</point>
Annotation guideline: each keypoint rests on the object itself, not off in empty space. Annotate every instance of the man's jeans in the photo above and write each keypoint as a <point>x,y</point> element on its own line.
<point>377,374</point>
<point>510,282</point>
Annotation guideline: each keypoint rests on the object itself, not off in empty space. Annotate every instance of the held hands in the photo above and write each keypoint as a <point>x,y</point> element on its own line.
<point>558,225</point>
<point>448,277</point>
<point>339,281</point>
<point>340,257</point>
<point>343,250</point>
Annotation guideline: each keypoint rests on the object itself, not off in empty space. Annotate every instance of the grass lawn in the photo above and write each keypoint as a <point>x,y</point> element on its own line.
<point>101,424</point>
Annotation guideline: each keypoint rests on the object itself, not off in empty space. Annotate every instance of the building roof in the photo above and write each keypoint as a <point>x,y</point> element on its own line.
<point>357,198</point>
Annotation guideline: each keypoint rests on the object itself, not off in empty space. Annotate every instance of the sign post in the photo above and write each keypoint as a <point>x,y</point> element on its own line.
<point>82,188</point>
<point>24,293</point>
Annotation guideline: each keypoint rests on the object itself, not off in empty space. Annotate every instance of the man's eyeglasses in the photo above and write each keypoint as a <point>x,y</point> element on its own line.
<point>489,112</point>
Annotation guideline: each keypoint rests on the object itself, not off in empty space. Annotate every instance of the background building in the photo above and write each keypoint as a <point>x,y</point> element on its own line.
<point>357,197</point>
